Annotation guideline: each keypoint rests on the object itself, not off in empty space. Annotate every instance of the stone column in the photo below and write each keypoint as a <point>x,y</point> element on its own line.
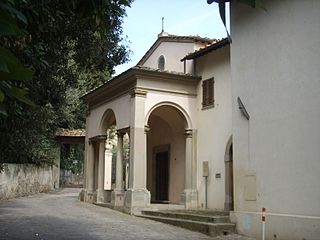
<point>190,192</point>
<point>117,195</point>
<point>100,190</point>
<point>56,166</point>
<point>137,196</point>
<point>119,165</point>
<point>82,193</point>
<point>90,173</point>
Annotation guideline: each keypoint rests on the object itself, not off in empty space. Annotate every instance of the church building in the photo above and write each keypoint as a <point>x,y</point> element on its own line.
<point>172,115</point>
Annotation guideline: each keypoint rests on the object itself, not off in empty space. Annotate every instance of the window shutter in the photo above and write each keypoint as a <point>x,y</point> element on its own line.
<point>211,92</point>
<point>208,92</point>
<point>205,93</point>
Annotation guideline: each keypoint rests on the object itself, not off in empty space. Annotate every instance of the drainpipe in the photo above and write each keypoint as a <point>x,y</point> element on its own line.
<point>205,174</point>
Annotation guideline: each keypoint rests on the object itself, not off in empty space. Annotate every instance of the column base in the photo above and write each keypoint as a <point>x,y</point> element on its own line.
<point>90,196</point>
<point>190,198</point>
<point>117,199</point>
<point>100,196</point>
<point>135,200</point>
<point>228,206</point>
<point>81,195</point>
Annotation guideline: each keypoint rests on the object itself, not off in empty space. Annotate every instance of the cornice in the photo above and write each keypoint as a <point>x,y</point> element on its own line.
<point>142,72</point>
<point>138,92</point>
<point>123,131</point>
<point>126,83</point>
<point>97,138</point>
<point>114,88</point>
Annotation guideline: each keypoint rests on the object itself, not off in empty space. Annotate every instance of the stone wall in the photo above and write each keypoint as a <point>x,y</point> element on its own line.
<point>18,180</point>
<point>68,179</point>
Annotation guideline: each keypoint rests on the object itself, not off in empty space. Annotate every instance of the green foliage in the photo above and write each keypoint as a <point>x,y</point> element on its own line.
<point>58,51</point>
<point>24,135</point>
<point>72,158</point>
<point>12,71</point>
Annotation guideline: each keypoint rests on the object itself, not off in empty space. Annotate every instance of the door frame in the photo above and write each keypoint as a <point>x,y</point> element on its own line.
<point>229,177</point>
<point>155,150</point>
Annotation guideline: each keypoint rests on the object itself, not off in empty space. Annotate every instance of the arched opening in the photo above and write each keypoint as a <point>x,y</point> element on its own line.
<point>166,145</point>
<point>125,161</point>
<point>229,201</point>
<point>161,63</point>
<point>109,130</point>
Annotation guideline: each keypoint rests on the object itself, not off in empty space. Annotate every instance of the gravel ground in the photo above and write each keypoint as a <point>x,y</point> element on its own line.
<point>59,215</point>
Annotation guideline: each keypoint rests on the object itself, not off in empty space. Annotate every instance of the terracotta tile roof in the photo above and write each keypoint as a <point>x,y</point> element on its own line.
<point>192,38</point>
<point>63,132</point>
<point>140,67</point>
<point>218,44</point>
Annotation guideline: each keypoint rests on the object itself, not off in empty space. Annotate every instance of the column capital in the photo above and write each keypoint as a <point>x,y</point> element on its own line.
<point>97,138</point>
<point>123,131</point>
<point>138,92</point>
<point>146,128</point>
<point>188,133</point>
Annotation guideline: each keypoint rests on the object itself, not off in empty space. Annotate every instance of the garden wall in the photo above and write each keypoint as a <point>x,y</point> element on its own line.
<point>18,180</point>
<point>69,179</point>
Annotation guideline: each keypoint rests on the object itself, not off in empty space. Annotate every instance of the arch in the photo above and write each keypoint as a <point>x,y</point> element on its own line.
<point>161,62</point>
<point>108,119</point>
<point>229,186</point>
<point>166,152</point>
<point>174,105</point>
<point>227,150</point>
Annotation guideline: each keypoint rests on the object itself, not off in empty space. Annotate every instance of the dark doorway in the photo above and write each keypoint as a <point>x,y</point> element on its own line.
<point>229,201</point>
<point>162,176</point>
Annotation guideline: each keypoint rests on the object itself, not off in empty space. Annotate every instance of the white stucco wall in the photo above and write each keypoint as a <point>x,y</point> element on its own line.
<point>185,103</point>
<point>121,107</point>
<point>275,58</point>
<point>214,126</point>
<point>173,52</point>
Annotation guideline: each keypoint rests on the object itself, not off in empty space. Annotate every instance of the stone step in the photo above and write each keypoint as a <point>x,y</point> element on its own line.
<point>211,229</point>
<point>108,205</point>
<point>202,212</point>
<point>189,215</point>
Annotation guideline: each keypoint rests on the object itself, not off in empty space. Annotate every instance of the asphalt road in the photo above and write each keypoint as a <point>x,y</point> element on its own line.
<point>59,215</point>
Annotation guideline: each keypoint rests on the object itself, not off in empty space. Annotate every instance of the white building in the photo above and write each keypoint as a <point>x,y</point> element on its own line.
<point>180,107</point>
<point>275,56</point>
<point>175,106</point>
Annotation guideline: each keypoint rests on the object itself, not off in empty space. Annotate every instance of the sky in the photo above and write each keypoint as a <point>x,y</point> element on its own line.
<point>181,17</point>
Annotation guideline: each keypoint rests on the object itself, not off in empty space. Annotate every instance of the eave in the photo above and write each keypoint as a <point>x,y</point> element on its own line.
<point>127,81</point>
<point>203,51</point>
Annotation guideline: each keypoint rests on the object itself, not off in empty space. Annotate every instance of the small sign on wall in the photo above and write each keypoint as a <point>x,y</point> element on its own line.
<point>205,168</point>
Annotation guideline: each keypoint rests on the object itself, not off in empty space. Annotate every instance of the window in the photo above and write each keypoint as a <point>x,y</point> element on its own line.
<point>161,62</point>
<point>208,93</point>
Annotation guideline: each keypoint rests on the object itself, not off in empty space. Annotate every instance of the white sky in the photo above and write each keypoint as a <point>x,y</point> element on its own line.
<point>181,17</point>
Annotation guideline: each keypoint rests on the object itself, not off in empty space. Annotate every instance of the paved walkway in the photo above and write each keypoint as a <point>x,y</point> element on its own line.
<point>59,215</point>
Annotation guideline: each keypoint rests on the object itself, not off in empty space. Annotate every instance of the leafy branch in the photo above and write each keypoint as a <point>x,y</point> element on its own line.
<point>12,71</point>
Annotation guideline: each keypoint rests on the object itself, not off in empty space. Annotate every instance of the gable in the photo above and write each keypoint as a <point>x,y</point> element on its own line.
<point>169,49</point>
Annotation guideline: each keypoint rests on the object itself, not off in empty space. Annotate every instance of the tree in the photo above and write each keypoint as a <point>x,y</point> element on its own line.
<point>70,47</point>
<point>11,69</point>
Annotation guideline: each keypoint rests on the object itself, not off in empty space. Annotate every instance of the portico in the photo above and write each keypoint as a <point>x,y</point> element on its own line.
<point>133,104</point>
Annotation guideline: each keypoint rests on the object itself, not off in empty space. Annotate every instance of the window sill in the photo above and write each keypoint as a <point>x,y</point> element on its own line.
<point>208,107</point>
